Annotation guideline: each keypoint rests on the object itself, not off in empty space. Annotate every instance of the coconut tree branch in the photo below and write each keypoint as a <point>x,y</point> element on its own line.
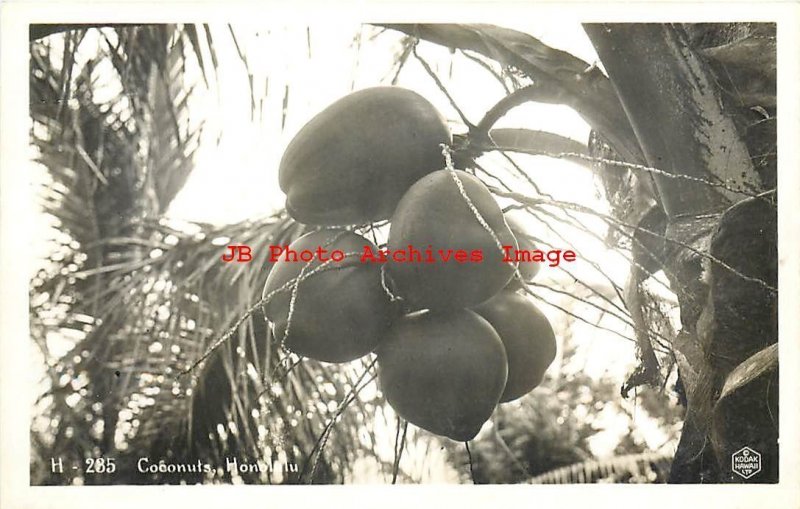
<point>535,92</point>
<point>675,112</point>
<point>584,88</point>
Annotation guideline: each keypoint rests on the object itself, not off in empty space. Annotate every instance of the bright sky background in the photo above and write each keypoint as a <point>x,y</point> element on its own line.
<point>240,174</point>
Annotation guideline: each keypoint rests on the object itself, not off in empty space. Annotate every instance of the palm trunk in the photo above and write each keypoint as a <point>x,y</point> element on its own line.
<point>672,101</point>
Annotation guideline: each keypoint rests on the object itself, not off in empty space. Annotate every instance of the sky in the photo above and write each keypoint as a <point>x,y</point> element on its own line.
<point>319,65</point>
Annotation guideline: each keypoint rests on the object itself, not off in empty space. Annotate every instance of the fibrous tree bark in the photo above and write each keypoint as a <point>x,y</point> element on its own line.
<point>727,281</point>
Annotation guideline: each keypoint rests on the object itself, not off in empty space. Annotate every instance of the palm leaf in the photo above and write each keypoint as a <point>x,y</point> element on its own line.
<point>143,299</point>
<point>91,152</point>
<point>632,468</point>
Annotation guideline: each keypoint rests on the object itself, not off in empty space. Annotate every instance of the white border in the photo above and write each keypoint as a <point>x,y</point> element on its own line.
<point>16,213</point>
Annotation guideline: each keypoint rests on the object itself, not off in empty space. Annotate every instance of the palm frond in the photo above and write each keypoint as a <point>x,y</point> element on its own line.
<point>98,112</point>
<point>139,299</point>
<point>648,467</point>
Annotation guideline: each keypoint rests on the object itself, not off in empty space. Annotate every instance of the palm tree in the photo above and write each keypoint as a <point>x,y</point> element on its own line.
<point>170,358</point>
<point>142,298</point>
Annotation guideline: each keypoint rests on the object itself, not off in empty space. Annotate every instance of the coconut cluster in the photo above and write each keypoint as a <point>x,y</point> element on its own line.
<point>453,339</point>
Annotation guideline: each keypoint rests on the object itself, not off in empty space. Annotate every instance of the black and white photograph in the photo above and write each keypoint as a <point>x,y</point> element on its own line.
<point>502,251</point>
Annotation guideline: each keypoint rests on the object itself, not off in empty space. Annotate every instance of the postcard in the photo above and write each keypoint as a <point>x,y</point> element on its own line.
<point>249,249</point>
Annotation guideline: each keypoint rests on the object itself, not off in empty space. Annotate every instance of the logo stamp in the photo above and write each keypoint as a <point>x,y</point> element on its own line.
<point>746,462</point>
